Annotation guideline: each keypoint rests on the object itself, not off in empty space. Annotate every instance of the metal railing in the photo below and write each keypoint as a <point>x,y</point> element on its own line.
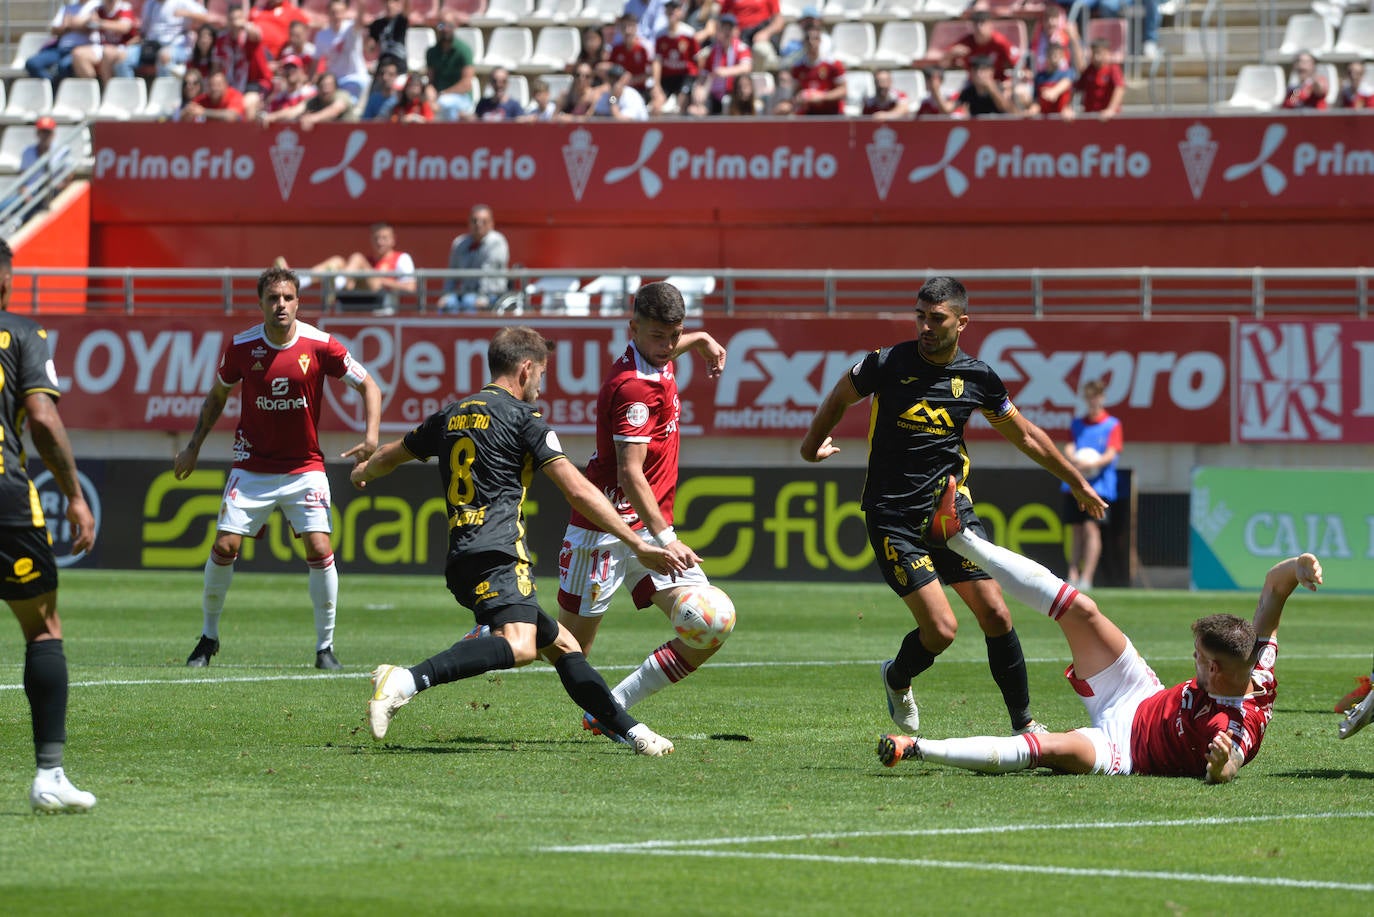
<point>1049,293</point>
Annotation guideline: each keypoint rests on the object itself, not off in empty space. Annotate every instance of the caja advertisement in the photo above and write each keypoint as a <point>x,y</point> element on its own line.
<point>748,523</point>
<point>1168,381</point>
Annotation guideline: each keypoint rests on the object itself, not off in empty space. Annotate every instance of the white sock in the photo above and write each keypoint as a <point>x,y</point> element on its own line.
<point>217,579</point>
<point>661,668</point>
<point>403,679</point>
<point>324,594</point>
<point>1022,577</point>
<point>636,731</point>
<point>985,754</point>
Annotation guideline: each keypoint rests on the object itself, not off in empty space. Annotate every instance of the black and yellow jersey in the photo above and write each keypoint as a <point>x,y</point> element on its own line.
<point>489,445</point>
<point>25,368</point>
<point>916,427</point>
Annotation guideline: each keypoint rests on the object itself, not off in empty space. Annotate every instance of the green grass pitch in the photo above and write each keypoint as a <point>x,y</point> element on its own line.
<point>253,787</point>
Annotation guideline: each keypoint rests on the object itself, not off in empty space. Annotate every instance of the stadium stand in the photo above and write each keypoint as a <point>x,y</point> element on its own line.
<point>899,43</point>
<point>1259,87</point>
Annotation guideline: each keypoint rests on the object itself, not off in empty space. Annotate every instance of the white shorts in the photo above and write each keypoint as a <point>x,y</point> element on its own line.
<point>1115,693</point>
<point>250,497</point>
<point>593,565</point>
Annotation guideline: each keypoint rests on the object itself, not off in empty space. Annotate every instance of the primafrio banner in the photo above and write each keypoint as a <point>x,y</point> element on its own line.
<point>1168,381</point>
<point>1052,169</point>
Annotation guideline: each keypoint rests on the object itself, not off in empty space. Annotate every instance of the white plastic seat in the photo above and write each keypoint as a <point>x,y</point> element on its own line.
<point>854,42</point>
<point>503,12</point>
<point>555,48</point>
<point>1333,82</point>
<point>1356,39</point>
<point>125,98</point>
<point>616,292</point>
<point>1304,32</point>
<point>77,99</point>
<point>694,290</point>
<point>1259,87</point>
<point>509,47</point>
<point>419,39</point>
<point>858,85</point>
<point>16,139</point>
<point>764,85</point>
<point>952,82</point>
<point>599,12</point>
<point>559,12</point>
<point>29,44</point>
<point>164,99</point>
<point>890,10</point>
<point>550,294</point>
<point>845,10</point>
<point>473,39</point>
<point>899,44</point>
<point>913,84</point>
<point>518,88</point>
<point>937,10</point>
<point>558,84</point>
<point>29,97</point>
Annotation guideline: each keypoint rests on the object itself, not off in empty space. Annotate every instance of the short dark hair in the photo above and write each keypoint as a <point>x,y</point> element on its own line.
<point>1094,387</point>
<point>938,290</point>
<point>980,16</point>
<point>275,275</point>
<point>512,346</point>
<point>1100,43</point>
<point>660,302</point>
<point>1226,635</point>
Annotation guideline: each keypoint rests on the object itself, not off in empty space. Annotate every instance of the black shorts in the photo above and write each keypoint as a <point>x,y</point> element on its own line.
<point>1070,514</point>
<point>26,559</point>
<point>499,590</point>
<point>675,84</point>
<point>907,562</point>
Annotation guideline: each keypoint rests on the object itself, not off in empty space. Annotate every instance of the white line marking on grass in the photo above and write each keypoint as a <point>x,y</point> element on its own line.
<point>688,847</point>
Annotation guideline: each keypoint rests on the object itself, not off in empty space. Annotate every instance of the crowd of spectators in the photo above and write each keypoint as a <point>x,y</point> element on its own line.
<point>275,62</point>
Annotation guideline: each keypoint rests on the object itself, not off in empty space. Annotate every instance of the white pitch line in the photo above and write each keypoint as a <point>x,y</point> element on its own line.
<point>694,848</point>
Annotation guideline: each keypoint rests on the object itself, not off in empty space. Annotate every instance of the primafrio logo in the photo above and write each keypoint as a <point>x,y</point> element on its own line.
<point>353,179</point>
<point>1275,182</point>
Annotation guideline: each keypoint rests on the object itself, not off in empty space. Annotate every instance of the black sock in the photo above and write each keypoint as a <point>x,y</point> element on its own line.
<point>464,659</point>
<point>589,691</point>
<point>1008,665</point>
<point>911,660</point>
<point>45,683</point>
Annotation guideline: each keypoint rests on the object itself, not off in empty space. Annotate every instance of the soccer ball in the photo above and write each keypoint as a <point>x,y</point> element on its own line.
<point>1087,455</point>
<point>703,617</point>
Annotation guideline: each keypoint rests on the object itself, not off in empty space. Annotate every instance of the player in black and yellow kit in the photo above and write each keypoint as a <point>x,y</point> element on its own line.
<point>924,391</point>
<point>489,445</point>
<point>28,570</point>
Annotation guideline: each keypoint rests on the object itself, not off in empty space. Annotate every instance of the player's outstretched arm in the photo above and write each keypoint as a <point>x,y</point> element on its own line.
<point>1279,583</point>
<point>372,408</point>
<point>381,463</point>
<point>707,347</point>
<point>1224,759</point>
<point>49,436</point>
<point>210,409</point>
<point>1036,444</point>
<point>817,445</point>
<point>584,497</point>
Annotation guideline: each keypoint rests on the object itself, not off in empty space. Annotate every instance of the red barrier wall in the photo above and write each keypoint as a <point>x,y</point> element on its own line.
<point>1243,191</point>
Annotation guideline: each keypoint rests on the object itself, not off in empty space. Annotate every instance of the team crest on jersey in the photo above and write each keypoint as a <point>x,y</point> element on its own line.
<point>956,386</point>
<point>304,360</point>
<point>637,414</point>
<point>899,574</point>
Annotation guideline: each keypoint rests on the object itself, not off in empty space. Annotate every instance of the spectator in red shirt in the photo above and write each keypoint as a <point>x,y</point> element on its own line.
<point>273,19</point>
<point>760,25</point>
<point>632,53</point>
<point>240,52</point>
<point>202,57</point>
<point>675,53</point>
<point>725,58</point>
<point>1306,87</point>
<point>219,101</point>
<point>116,25</point>
<point>1054,85</point>
<point>820,85</point>
<point>886,103</point>
<point>983,42</point>
<point>298,43</point>
<point>936,102</point>
<point>1102,86</point>
<point>1055,26</point>
<point>413,107</point>
<point>1356,92</point>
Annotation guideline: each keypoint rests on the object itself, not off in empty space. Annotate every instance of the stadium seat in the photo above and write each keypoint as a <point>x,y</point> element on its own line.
<point>913,84</point>
<point>853,42</point>
<point>845,10</point>
<point>558,84</point>
<point>1115,32</point>
<point>615,294</point>
<point>502,12</point>
<point>29,97</point>
<point>77,99</point>
<point>858,85</point>
<point>899,43</point>
<point>465,9</point>
<point>764,85</point>
<point>550,294</point>
<point>423,12</point>
<point>473,39</point>
<point>694,290</point>
<point>518,88</point>
<point>943,36</point>
<point>1015,32</point>
<point>16,139</point>
<point>164,99</point>
<point>792,9</point>
<point>509,47</point>
<point>1333,82</point>
<point>557,12</point>
<point>1304,32</point>
<point>952,82</point>
<point>599,12</point>
<point>1258,87</point>
<point>893,10</point>
<point>555,48</point>
<point>29,42</point>
<point>124,98</point>
<point>939,10</point>
<point>419,39</point>
<point>1356,39</point>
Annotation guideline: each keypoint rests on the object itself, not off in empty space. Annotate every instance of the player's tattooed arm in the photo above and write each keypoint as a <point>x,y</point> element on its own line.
<point>49,437</point>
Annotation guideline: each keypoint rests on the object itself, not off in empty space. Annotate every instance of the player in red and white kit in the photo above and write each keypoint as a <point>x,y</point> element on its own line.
<point>1208,726</point>
<point>282,364</point>
<point>636,466</point>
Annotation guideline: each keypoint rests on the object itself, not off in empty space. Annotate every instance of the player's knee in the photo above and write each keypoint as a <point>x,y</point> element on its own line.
<point>1083,607</point>
<point>938,637</point>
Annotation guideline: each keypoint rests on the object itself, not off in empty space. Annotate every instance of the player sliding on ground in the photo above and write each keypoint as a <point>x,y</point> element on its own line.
<point>1208,726</point>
